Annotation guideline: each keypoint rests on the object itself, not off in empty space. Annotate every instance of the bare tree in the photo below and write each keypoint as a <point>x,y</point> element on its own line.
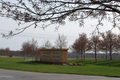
<point>117,44</point>
<point>34,47</point>
<point>56,11</point>
<point>79,45</point>
<point>46,45</point>
<point>110,38</point>
<point>103,47</point>
<point>76,48</point>
<point>25,49</point>
<point>29,47</point>
<point>2,51</point>
<point>84,42</point>
<point>7,52</point>
<point>61,42</point>
<point>94,42</point>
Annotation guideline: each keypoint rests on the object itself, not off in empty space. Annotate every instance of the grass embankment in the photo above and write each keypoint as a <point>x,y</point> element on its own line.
<point>99,69</point>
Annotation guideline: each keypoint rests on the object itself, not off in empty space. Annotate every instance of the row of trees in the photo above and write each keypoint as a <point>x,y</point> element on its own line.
<point>31,48</point>
<point>103,42</point>
<point>5,51</point>
<point>60,43</point>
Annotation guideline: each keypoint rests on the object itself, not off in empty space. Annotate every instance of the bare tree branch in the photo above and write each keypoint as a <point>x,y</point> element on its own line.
<point>56,11</point>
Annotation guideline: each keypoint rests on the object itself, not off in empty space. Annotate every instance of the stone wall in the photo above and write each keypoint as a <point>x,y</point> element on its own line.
<point>54,55</point>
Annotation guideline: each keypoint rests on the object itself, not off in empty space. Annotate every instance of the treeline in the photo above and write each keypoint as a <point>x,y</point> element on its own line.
<point>5,52</point>
<point>107,42</point>
<point>92,55</point>
<point>31,48</point>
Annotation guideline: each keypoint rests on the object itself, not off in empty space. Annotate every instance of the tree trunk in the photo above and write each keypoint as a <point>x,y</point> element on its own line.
<point>81,54</point>
<point>106,54</point>
<point>95,56</point>
<point>110,56</point>
<point>81,57</point>
<point>110,63</point>
<point>24,57</point>
<point>84,54</point>
<point>76,56</point>
<point>27,57</point>
<point>110,60</point>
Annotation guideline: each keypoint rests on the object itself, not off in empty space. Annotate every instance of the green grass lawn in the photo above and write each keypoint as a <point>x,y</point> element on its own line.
<point>99,69</point>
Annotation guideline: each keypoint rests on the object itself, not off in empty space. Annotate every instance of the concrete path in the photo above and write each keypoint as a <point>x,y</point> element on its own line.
<point>21,75</point>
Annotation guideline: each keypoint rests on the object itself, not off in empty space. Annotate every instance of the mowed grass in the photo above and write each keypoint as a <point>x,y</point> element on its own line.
<point>99,69</point>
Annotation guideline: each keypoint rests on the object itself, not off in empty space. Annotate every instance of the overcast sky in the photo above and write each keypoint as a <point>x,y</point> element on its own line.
<point>70,29</point>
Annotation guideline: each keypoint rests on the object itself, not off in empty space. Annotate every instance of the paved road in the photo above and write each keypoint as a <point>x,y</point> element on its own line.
<point>21,75</point>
